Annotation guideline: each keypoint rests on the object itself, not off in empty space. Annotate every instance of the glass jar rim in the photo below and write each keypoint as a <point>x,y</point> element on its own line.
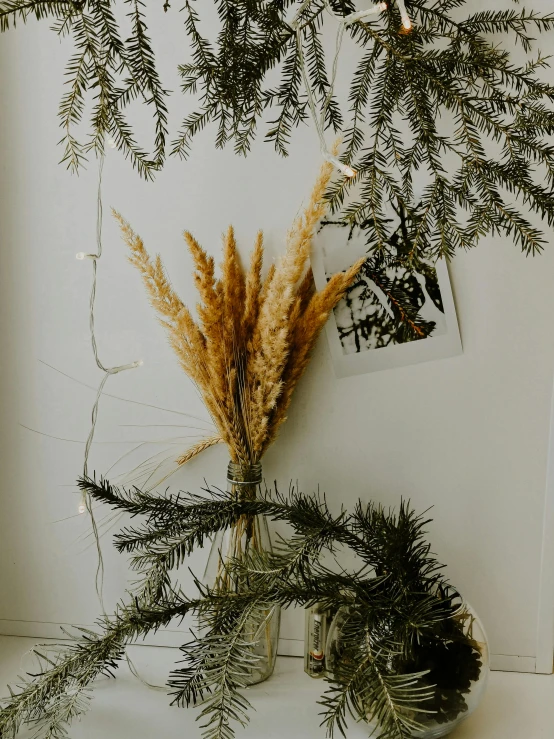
<point>239,473</point>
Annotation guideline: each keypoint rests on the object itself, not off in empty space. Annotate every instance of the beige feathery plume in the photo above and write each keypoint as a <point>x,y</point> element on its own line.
<point>303,296</point>
<point>232,279</point>
<point>253,286</point>
<point>185,337</point>
<point>300,236</point>
<point>234,290</point>
<point>204,279</point>
<point>161,294</point>
<point>266,285</point>
<point>211,312</point>
<point>306,289</point>
<point>271,336</point>
<point>306,333</point>
<point>290,267</point>
<point>188,344</point>
<point>268,278</point>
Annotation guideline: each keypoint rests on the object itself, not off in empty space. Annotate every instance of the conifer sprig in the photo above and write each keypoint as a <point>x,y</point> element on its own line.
<point>104,70</point>
<point>443,109</point>
<point>60,690</point>
<point>393,602</point>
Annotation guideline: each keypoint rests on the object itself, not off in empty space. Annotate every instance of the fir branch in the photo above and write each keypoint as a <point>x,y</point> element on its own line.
<point>394,602</point>
<point>177,524</point>
<point>364,685</point>
<point>446,66</point>
<point>99,61</point>
<point>12,10</point>
<point>140,59</point>
<point>219,665</point>
<point>58,693</point>
<point>288,98</point>
<point>133,500</point>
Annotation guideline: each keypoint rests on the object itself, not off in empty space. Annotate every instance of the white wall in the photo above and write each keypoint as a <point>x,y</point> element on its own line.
<point>467,435</point>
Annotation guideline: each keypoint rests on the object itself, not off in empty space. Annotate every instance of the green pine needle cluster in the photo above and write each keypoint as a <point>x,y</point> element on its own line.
<point>444,124</point>
<point>395,601</point>
<point>110,70</point>
<point>441,121</point>
<point>59,691</point>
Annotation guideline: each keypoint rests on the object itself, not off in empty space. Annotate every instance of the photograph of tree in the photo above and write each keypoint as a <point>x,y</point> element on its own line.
<point>391,302</point>
<point>397,299</point>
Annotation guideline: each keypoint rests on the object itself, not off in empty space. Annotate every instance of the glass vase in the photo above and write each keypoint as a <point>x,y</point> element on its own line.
<point>457,674</point>
<point>248,535</point>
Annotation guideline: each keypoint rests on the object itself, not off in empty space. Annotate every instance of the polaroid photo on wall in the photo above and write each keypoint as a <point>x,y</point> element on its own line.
<point>393,314</point>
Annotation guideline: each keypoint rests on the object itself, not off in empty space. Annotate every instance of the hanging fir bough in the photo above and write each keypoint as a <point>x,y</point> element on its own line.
<point>442,102</point>
<point>112,71</point>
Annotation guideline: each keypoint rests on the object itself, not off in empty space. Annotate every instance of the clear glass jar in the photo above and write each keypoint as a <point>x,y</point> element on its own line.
<point>459,682</point>
<point>249,534</point>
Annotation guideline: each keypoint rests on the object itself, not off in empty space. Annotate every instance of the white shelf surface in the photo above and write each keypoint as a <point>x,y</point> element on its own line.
<point>516,705</point>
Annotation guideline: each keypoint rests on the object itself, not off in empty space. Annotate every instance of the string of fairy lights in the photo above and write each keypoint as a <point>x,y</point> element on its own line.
<point>108,371</point>
<point>94,257</point>
<point>86,502</point>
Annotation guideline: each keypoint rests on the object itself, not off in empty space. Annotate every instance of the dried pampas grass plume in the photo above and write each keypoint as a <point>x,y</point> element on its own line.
<point>254,336</point>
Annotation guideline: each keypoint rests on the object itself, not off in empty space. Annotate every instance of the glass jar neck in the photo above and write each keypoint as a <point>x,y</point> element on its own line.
<point>243,479</point>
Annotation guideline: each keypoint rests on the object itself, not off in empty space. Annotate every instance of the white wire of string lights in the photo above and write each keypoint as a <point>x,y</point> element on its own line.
<point>344,22</point>
<point>86,503</point>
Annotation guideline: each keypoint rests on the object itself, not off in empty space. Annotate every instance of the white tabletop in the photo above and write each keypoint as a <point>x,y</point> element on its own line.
<point>516,706</point>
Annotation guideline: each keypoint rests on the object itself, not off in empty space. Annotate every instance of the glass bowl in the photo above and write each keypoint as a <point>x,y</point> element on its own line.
<point>458,673</point>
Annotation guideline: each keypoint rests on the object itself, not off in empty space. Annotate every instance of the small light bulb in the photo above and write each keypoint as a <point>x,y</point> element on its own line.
<point>344,168</point>
<point>139,363</point>
<point>406,22</point>
<point>112,144</point>
<point>82,508</point>
<point>80,255</point>
<point>383,6</point>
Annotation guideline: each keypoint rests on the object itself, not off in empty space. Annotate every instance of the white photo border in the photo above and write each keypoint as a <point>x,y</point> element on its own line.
<point>429,349</point>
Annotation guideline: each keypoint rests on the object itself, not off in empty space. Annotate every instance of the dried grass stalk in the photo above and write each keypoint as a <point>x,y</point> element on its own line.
<point>303,339</point>
<point>201,446</point>
<point>254,337</point>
